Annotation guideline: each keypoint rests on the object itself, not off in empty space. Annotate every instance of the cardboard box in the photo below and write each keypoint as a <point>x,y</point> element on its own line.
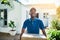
<point>33,37</point>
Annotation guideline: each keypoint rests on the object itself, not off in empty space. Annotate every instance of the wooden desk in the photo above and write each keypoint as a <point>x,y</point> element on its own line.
<point>33,37</point>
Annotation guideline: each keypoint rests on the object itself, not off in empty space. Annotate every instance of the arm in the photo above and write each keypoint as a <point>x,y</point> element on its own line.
<point>42,27</point>
<point>22,33</point>
<point>23,29</point>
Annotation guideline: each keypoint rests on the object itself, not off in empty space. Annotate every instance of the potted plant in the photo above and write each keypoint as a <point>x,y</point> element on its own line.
<point>54,34</point>
<point>6,2</point>
<point>55,24</point>
<point>54,31</point>
<point>12,26</point>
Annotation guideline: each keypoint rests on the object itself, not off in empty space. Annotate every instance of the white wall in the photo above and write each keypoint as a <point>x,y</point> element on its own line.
<point>49,11</point>
<point>23,14</point>
<point>18,15</point>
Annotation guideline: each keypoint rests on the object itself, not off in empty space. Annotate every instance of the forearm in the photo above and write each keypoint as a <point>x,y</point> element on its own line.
<point>44,32</point>
<point>22,33</point>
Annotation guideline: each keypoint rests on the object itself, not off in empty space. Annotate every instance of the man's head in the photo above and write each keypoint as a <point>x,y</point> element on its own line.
<point>33,12</point>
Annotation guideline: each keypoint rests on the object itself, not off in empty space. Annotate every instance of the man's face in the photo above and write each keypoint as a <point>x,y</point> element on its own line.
<point>33,13</point>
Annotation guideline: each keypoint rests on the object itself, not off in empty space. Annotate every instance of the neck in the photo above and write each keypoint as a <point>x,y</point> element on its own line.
<point>32,18</point>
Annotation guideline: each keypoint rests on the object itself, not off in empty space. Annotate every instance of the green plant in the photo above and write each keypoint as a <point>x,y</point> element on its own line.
<point>54,31</point>
<point>55,24</point>
<point>54,34</point>
<point>12,25</point>
<point>1,18</point>
<point>6,2</point>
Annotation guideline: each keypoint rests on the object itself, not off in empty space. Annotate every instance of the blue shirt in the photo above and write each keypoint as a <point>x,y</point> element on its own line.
<point>33,26</point>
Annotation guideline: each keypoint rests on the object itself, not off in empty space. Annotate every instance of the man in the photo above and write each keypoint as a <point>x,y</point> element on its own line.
<point>33,24</point>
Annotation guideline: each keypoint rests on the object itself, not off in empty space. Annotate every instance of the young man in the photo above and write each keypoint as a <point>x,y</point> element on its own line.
<point>33,24</point>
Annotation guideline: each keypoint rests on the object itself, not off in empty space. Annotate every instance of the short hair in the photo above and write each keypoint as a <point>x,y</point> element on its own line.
<point>32,9</point>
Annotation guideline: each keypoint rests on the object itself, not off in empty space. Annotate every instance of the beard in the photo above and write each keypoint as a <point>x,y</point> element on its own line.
<point>33,15</point>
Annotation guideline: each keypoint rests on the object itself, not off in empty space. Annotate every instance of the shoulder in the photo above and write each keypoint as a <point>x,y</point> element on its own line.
<point>26,20</point>
<point>38,19</point>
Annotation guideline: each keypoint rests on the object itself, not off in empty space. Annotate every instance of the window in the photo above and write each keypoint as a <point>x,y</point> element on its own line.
<point>3,17</point>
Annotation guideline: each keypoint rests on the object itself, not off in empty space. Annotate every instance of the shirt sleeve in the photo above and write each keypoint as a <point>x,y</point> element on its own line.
<point>24,24</point>
<point>41,25</point>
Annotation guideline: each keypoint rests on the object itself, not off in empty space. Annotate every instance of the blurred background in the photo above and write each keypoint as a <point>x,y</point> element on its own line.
<point>18,11</point>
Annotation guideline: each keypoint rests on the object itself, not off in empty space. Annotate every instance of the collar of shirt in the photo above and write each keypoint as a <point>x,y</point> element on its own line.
<point>33,19</point>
